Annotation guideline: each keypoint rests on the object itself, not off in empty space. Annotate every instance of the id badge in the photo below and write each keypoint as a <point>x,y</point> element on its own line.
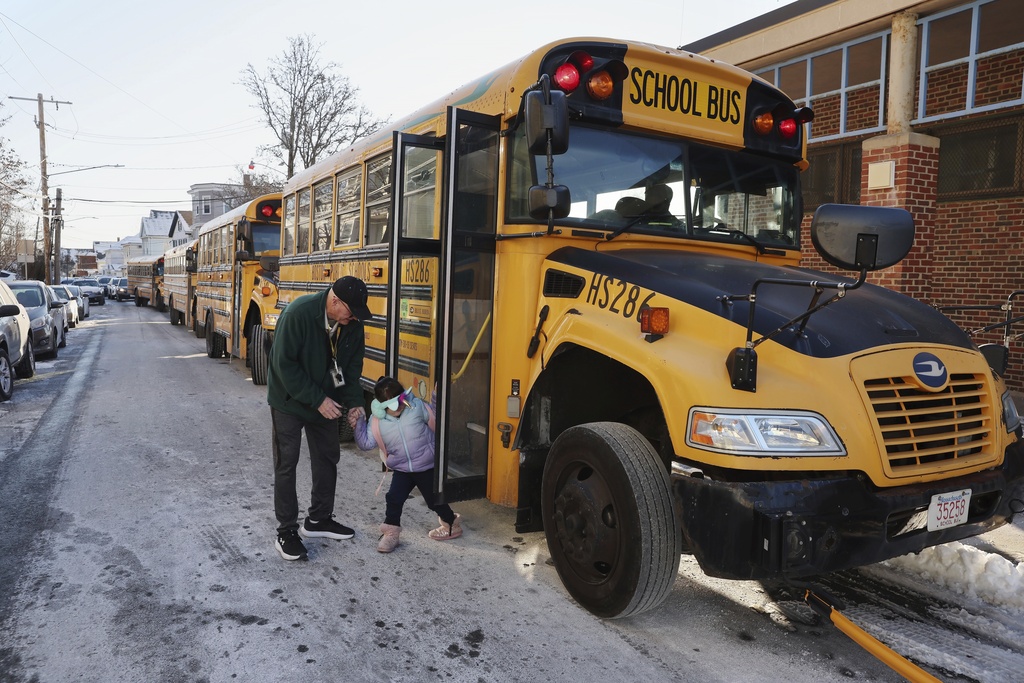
<point>337,378</point>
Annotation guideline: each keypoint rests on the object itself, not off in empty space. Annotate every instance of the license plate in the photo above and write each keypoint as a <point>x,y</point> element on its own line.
<point>948,509</point>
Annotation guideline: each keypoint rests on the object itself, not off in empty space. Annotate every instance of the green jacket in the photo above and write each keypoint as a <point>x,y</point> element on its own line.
<point>299,376</point>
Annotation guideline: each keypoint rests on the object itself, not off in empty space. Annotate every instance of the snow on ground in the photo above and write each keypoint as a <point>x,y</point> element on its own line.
<point>974,627</point>
<point>967,571</point>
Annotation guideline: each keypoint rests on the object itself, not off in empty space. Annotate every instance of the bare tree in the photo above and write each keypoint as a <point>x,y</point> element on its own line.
<point>247,185</point>
<point>312,109</point>
<point>12,186</point>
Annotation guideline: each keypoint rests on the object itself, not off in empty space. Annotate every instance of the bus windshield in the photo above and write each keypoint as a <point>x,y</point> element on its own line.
<point>265,237</point>
<point>663,187</point>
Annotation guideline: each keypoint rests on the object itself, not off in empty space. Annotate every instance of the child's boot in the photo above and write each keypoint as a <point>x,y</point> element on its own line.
<point>446,532</point>
<point>388,538</point>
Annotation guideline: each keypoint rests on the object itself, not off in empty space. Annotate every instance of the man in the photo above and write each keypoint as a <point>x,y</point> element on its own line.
<point>316,361</point>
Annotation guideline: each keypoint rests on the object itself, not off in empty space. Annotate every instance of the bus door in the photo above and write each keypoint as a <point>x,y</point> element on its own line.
<point>237,311</point>
<point>442,284</point>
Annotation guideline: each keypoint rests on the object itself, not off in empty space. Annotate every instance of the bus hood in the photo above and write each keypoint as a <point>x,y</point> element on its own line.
<point>867,317</point>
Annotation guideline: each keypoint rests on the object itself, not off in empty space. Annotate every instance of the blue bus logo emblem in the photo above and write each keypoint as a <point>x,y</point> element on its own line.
<point>930,371</point>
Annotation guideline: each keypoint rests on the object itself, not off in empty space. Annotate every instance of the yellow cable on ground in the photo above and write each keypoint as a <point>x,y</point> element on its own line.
<point>901,665</point>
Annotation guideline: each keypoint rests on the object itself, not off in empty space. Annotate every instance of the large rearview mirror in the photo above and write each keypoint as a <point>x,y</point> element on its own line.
<point>546,117</point>
<point>862,237</point>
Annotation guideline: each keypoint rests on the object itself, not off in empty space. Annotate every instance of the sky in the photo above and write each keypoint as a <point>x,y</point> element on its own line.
<point>155,98</point>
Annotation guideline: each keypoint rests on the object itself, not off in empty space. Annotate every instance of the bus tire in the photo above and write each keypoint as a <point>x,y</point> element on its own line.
<point>259,354</point>
<point>138,300</point>
<point>214,342</point>
<point>609,519</point>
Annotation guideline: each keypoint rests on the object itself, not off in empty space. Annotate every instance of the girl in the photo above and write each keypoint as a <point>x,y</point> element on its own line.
<point>402,427</point>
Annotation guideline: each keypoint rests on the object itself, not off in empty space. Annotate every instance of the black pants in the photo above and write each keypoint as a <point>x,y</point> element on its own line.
<point>324,453</point>
<point>402,484</point>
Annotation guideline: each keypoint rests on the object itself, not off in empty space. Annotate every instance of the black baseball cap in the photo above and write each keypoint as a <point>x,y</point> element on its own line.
<point>352,291</point>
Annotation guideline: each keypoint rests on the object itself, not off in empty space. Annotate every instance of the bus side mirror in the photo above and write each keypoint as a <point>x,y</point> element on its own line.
<point>862,237</point>
<point>543,118</point>
<point>544,199</point>
<point>997,356</point>
<point>270,264</point>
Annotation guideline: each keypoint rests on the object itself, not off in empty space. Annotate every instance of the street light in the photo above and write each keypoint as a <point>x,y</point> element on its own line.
<point>87,168</point>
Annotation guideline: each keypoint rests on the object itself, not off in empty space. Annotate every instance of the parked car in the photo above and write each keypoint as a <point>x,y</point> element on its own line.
<point>91,287</point>
<point>46,316</point>
<point>70,303</point>
<point>16,354</point>
<point>83,300</point>
<point>123,292</point>
<point>109,283</point>
<point>7,275</point>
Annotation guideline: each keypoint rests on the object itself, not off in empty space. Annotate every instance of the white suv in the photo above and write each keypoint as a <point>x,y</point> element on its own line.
<point>16,354</point>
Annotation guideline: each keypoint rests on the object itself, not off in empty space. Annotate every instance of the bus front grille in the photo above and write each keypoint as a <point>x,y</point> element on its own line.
<point>926,432</point>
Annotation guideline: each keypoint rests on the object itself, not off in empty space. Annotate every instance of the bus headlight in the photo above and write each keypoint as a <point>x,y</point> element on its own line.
<point>772,433</point>
<point>1010,414</point>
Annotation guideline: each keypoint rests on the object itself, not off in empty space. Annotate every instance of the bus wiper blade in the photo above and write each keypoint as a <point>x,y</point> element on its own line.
<point>741,235</point>
<point>615,233</point>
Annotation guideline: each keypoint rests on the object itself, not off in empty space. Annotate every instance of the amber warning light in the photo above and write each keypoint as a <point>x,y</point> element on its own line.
<point>654,321</point>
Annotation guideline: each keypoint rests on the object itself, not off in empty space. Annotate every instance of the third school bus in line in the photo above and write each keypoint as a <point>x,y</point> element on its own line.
<point>593,254</point>
<point>145,280</point>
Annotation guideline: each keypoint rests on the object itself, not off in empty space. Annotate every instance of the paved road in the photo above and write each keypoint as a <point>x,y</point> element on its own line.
<point>136,487</point>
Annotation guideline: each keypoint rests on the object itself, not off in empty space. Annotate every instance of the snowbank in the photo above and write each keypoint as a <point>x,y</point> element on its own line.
<point>967,571</point>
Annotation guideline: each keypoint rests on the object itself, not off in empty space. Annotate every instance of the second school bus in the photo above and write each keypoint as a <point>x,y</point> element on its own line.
<point>593,254</point>
<point>179,285</point>
<point>236,297</point>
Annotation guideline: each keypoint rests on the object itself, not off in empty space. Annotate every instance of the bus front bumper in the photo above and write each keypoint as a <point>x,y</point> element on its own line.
<point>799,528</point>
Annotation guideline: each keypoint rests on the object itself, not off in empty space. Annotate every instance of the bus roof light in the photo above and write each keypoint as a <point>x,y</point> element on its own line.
<point>600,85</point>
<point>583,61</point>
<point>787,128</point>
<point>567,77</point>
<point>763,123</point>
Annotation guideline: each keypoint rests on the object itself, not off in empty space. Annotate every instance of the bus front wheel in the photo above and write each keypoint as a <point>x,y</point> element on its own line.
<point>260,354</point>
<point>608,516</point>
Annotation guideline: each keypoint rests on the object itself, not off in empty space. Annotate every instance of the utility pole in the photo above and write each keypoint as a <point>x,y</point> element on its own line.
<point>58,224</point>
<point>47,255</point>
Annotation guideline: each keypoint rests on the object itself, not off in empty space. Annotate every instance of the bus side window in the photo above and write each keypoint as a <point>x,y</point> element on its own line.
<point>378,199</point>
<point>347,212</point>
<point>323,204</point>
<point>288,227</point>
<point>302,223</point>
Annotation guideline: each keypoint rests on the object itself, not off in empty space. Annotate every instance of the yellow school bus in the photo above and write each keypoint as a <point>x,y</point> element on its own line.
<point>593,254</point>
<point>145,280</point>
<point>236,292</point>
<point>179,285</point>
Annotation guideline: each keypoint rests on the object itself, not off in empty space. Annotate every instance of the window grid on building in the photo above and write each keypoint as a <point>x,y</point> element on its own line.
<point>962,52</point>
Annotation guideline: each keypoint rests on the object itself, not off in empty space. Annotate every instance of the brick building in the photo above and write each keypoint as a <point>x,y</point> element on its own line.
<point>918,105</point>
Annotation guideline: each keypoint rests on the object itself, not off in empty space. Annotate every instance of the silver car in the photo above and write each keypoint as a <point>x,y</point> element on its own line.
<point>46,316</point>
<point>70,302</point>
<point>92,288</point>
